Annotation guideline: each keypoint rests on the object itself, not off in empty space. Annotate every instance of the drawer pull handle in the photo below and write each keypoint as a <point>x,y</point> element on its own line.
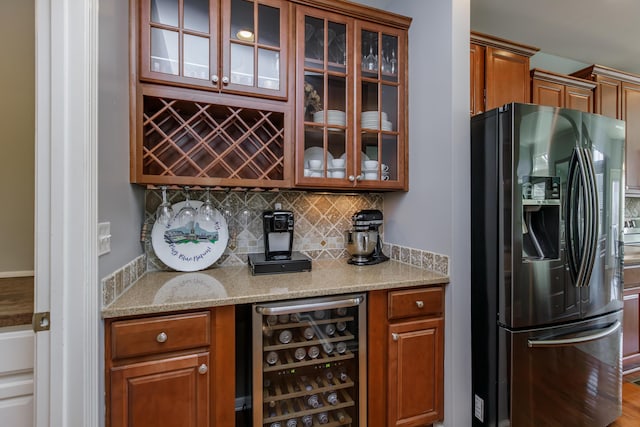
<point>395,336</point>
<point>420,304</point>
<point>202,369</point>
<point>162,337</point>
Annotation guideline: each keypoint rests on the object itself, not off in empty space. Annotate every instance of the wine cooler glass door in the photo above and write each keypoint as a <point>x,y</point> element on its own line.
<point>309,362</point>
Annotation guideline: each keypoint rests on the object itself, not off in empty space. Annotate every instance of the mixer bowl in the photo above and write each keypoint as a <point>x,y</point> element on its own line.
<point>361,243</point>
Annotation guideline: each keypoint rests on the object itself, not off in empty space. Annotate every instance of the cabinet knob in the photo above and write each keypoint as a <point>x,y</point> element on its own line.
<point>214,78</point>
<point>352,178</point>
<point>225,80</point>
<point>162,337</point>
<point>203,369</point>
<point>419,304</point>
<point>395,336</point>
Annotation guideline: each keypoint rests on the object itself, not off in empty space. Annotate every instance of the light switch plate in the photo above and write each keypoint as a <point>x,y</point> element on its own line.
<point>104,238</point>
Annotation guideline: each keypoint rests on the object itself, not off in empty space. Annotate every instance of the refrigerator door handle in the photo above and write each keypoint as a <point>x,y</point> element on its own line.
<point>593,217</point>
<point>577,253</point>
<point>324,305</point>
<point>563,342</point>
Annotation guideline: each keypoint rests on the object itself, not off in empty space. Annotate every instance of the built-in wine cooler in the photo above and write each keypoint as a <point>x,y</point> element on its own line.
<point>309,362</point>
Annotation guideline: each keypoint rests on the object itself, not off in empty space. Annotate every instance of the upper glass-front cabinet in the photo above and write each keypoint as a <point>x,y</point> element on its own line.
<point>180,42</point>
<point>380,113</point>
<point>351,125</point>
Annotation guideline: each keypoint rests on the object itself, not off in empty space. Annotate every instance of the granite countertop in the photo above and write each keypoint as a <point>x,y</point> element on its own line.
<point>158,292</point>
<point>16,301</point>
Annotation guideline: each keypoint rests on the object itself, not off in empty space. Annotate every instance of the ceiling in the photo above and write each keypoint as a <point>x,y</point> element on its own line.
<point>604,32</point>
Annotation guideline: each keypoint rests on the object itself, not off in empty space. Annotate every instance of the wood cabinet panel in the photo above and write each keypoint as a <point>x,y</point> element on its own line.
<point>547,93</point>
<point>159,334</point>
<point>511,82</point>
<point>416,302</point>
<point>405,370</point>
<point>631,115</point>
<point>608,99</point>
<point>181,385</point>
<point>631,329</point>
<point>415,372</point>
<point>579,99</point>
<point>559,90</point>
<point>476,63</point>
<point>499,72</point>
<point>631,324</point>
<point>162,393</point>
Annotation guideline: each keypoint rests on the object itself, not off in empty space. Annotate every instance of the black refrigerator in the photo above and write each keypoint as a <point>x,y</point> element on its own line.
<point>547,203</point>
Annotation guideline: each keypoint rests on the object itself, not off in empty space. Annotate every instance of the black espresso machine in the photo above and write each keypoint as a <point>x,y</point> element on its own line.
<point>278,256</point>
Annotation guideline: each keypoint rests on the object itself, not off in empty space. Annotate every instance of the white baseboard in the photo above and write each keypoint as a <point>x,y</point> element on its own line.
<point>26,273</point>
<point>242,401</point>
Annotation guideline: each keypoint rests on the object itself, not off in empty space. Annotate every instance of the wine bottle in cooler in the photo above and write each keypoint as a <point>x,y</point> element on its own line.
<point>323,418</point>
<point>307,421</point>
<point>331,397</point>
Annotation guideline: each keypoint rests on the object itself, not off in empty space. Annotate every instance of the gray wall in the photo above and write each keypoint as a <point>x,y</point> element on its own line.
<point>119,202</point>
<point>435,214</point>
<point>17,121</point>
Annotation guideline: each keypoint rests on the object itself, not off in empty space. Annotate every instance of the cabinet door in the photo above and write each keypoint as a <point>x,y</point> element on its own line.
<point>631,114</point>
<point>547,93</point>
<point>476,63</point>
<point>325,102</point>
<point>506,78</point>
<point>579,99</point>
<point>254,47</point>
<point>631,325</point>
<point>608,97</point>
<point>380,152</point>
<point>415,375</point>
<point>178,42</point>
<point>162,393</point>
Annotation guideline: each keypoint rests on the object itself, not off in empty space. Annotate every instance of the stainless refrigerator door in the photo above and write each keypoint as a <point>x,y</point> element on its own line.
<point>538,150</point>
<point>565,376</point>
<point>605,139</point>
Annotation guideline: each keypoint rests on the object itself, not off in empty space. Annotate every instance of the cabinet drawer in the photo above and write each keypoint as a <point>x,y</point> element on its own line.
<point>159,334</point>
<point>631,276</point>
<point>416,302</point>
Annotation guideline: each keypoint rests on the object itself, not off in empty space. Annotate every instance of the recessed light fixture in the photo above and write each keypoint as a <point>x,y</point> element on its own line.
<point>245,35</point>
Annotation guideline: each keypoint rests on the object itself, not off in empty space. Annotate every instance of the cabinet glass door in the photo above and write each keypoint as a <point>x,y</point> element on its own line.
<point>254,47</point>
<point>178,36</point>
<point>326,100</point>
<point>379,115</point>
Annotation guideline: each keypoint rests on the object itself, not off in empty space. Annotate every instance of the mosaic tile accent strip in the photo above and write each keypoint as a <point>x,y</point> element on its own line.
<point>320,220</point>
<point>631,207</point>
<point>418,258</point>
<point>120,280</point>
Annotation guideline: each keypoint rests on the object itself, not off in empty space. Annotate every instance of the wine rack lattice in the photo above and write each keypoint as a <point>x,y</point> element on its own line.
<point>200,140</point>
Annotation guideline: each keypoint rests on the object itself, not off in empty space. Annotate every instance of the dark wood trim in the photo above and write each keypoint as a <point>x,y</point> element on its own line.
<point>359,11</point>
<point>498,43</point>
<point>377,359</point>
<point>223,378</point>
<point>601,70</point>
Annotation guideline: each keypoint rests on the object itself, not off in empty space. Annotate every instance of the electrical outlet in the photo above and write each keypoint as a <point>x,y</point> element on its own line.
<point>104,238</point>
<point>478,409</point>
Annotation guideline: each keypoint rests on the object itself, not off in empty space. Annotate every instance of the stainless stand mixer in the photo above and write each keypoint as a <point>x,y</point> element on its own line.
<point>363,240</point>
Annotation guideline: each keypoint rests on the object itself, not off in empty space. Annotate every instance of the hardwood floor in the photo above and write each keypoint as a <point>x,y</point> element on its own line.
<point>630,405</point>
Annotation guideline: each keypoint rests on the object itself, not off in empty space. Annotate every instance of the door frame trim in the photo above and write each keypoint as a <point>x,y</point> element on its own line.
<point>67,358</point>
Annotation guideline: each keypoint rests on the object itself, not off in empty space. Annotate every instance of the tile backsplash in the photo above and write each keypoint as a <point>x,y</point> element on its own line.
<point>320,222</point>
<point>631,207</point>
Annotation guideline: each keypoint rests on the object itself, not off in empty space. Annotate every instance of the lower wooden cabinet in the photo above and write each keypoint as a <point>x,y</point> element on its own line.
<point>171,370</point>
<point>406,357</point>
<point>165,392</point>
<point>631,319</point>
